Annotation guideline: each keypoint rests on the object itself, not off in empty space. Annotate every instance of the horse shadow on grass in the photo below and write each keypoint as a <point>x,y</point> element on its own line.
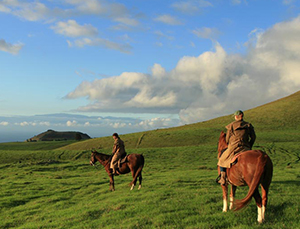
<point>273,211</point>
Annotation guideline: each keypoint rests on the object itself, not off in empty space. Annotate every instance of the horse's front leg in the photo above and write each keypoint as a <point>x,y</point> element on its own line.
<point>232,196</point>
<point>111,183</point>
<point>225,195</point>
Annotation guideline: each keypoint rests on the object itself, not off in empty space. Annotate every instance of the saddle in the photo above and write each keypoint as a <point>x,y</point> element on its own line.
<point>122,160</point>
<point>235,159</point>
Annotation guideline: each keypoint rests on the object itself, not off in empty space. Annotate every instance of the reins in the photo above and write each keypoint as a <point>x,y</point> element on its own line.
<point>106,161</point>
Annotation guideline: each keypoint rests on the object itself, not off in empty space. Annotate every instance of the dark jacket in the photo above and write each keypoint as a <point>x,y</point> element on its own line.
<point>240,137</point>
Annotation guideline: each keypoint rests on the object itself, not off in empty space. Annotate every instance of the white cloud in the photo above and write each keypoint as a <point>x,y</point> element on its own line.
<point>35,11</point>
<point>10,48</point>
<point>168,19</point>
<point>125,48</point>
<point>190,7</point>
<point>71,123</point>
<point>72,29</point>
<point>95,126</point>
<point>32,123</point>
<point>31,11</point>
<point>209,85</point>
<point>24,124</point>
<point>118,125</point>
<point>207,33</point>
<point>44,123</point>
<point>4,123</point>
<point>4,8</point>
<point>127,21</point>
<point>155,123</point>
<point>88,6</point>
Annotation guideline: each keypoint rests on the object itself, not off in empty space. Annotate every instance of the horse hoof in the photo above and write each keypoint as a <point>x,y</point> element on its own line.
<point>140,186</point>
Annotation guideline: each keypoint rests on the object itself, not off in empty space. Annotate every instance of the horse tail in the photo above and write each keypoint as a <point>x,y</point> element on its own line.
<point>260,167</point>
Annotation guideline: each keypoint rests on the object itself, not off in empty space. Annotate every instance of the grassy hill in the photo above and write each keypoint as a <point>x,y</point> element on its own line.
<point>46,188</point>
<point>269,120</point>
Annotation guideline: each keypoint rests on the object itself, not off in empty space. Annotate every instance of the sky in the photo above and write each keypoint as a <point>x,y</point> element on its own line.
<point>105,66</point>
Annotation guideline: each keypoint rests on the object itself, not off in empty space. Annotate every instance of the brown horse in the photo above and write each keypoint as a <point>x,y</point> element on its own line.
<point>133,164</point>
<point>253,167</point>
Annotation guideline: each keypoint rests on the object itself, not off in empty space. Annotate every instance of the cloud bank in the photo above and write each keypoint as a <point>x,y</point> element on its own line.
<point>20,128</point>
<point>206,86</point>
<point>116,13</point>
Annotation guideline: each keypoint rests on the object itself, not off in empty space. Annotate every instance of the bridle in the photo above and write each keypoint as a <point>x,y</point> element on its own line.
<point>104,165</point>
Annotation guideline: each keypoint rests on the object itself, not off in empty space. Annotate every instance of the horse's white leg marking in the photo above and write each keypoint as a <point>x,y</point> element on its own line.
<point>263,210</point>
<point>259,215</point>
<point>140,186</point>
<point>132,186</point>
<point>225,205</point>
<point>231,203</point>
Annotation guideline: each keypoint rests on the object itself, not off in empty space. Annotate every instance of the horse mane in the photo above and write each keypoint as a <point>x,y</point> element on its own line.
<point>101,155</point>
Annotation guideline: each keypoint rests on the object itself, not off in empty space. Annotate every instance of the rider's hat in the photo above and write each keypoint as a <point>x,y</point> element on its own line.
<point>238,112</point>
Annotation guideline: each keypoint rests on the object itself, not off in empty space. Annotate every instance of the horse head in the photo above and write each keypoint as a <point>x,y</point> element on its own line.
<point>93,158</point>
<point>222,145</point>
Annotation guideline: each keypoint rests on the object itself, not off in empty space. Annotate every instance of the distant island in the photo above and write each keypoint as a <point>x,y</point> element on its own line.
<point>52,135</point>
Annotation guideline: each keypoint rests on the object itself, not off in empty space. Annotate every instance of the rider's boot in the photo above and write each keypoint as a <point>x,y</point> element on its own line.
<point>223,180</point>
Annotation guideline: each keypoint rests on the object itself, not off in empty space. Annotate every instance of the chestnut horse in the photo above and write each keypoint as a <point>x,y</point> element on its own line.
<point>133,164</point>
<point>253,167</point>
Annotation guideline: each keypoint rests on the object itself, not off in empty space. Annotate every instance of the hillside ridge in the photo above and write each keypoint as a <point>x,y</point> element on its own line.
<point>269,121</point>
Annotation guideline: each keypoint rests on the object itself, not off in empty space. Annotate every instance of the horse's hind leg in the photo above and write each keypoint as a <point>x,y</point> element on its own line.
<point>133,182</point>
<point>265,187</point>
<point>140,181</point>
<point>135,175</point>
<point>231,196</point>
<point>258,200</point>
<point>264,193</point>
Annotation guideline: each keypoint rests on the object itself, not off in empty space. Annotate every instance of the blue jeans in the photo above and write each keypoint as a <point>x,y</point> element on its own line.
<point>223,169</point>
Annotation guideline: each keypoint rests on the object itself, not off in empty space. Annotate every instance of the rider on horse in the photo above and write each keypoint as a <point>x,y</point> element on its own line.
<point>240,137</point>
<point>118,152</point>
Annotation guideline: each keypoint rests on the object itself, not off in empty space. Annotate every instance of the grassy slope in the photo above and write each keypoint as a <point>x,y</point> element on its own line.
<point>268,120</point>
<point>33,146</point>
<point>178,192</point>
<point>42,188</point>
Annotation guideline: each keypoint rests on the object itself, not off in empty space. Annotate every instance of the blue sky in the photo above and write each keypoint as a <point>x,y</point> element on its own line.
<point>127,66</point>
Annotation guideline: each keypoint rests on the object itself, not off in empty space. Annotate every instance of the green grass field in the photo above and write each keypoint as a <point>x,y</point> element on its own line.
<point>52,185</point>
<point>59,189</point>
